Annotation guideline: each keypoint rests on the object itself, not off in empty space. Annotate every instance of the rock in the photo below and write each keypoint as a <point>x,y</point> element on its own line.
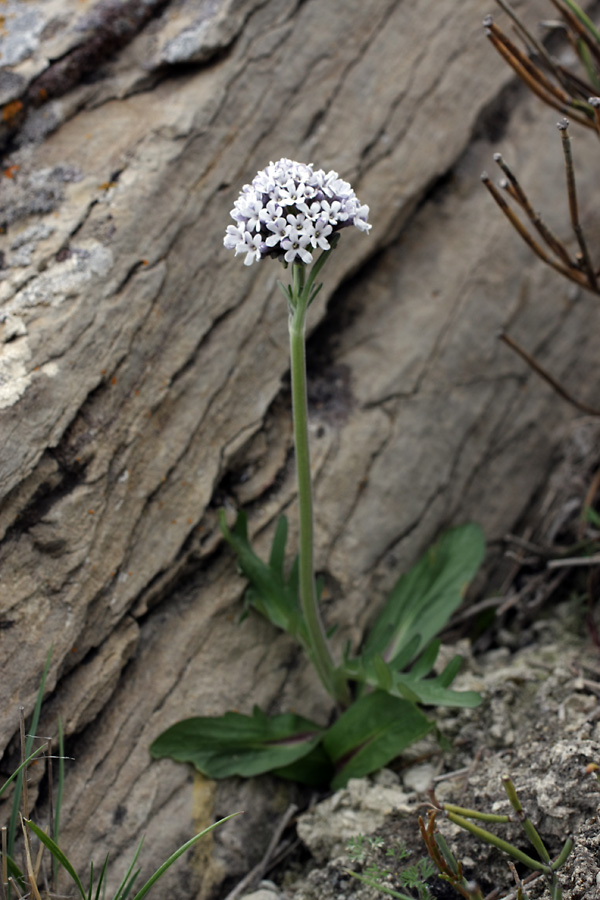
<point>547,757</point>
<point>142,368</point>
<point>360,808</point>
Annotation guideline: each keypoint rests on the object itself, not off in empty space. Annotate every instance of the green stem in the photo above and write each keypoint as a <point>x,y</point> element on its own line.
<point>320,651</point>
<point>490,838</point>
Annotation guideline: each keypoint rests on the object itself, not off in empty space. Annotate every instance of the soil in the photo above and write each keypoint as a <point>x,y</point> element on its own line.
<point>538,669</point>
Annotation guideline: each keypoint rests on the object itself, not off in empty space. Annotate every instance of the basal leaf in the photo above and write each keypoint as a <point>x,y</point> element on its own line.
<point>268,592</point>
<point>235,744</point>
<point>424,599</point>
<point>374,730</point>
<point>434,692</point>
<point>314,769</point>
<point>425,663</point>
<point>450,671</point>
<point>277,557</point>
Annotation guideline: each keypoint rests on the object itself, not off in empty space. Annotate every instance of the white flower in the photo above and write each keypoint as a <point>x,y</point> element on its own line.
<point>289,208</point>
<point>319,235</point>
<point>233,237</point>
<point>333,212</point>
<point>311,212</point>
<point>298,222</point>
<point>280,230</point>
<point>271,212</point>
<point>250,246</point>
<point>360,219</point>
<point>295,245</point>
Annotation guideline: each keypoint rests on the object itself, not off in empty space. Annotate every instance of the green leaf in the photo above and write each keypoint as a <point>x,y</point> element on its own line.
<point>16,801</point>
<point>584,19</point>
<point>268,592</point>
<point>424,599</point>
<point>175,856</point>
<point>58,854</point>
<point>130,876</point>
<point>314,769</point>
<point>376,673</point>
<point>379,887</point>
<point>432,692</point>
<point>20,768</point>
<point>372,732</point>
<point>277,557</point>
<point>587,61</point>
<point>14,870</point>
<point>590,515</point>
<point>235,744</point>
<point>426,661</point>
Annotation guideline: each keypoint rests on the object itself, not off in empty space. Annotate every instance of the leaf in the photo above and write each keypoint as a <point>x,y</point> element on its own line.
<point>314,769</point>
<point>235,744</point>
<point>433,692</point>
<point>130,876</point>
<point>268,592</point>
<point>426,661</point>
<point>22,766</point>
<point>382,888</point>
<point>583,18</point>
<point>424,599</point>
<point>58,854</point>
<point>175,856</point>
<point>376,673</point>
<point>16,800</point>
<point>373,731</point>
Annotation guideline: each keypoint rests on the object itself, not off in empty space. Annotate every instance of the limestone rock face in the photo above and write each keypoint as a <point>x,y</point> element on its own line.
<point>143,368</point>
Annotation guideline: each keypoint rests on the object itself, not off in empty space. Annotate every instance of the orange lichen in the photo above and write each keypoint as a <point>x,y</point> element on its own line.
<point>11,110</point>
<point>10,171</point>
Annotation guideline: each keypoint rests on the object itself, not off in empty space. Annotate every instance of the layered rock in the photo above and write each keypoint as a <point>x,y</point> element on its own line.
<point>143,369</point>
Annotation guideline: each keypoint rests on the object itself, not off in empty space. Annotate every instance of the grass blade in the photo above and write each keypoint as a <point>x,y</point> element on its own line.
<point>20,768</point>
<point>12,826</point>
<point>127,875</point>
<point>100,880</point>
<point>59,792</point>
<point>57,853</point>
<point>175,856</point>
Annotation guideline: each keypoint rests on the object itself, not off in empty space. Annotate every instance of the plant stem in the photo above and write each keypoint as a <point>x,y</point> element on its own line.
<point>321,656</point>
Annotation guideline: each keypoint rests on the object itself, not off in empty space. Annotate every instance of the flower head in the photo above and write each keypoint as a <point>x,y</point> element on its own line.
<point>290,210</point>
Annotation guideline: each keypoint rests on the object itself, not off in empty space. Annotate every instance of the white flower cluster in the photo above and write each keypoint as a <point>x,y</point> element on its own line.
<point>289,211</point>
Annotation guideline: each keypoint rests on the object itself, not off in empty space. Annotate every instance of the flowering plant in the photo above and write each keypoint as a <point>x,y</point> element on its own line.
<point>292,212</point>
<point>289,212</point>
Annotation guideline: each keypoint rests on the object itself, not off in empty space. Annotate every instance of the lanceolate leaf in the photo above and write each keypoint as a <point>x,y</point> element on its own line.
<point>269,592</point>
<point>235,744</point>
<point>372,732</point>
<point>424,599</point>
<point>412,685</point>
<point>314,769</point>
